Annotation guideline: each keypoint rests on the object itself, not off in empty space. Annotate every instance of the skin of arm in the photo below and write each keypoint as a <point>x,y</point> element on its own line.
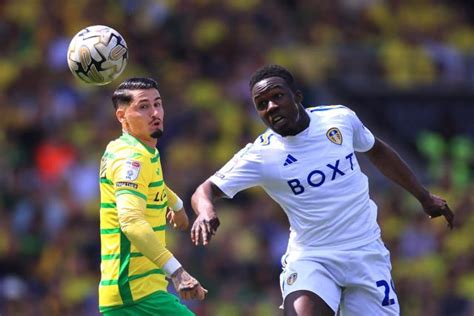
<point>391,165</point>
<point>206,223</point>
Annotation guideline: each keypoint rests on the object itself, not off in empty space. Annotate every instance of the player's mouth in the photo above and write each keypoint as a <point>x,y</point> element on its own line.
<point>156,123</point>
<point>278,121</point>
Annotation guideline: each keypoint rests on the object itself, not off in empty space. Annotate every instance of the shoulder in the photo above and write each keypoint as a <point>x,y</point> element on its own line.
<point>120,149</point>
<point>329,110</point>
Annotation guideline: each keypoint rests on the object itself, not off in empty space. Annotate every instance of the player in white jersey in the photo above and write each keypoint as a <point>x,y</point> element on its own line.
<point>306,162</point>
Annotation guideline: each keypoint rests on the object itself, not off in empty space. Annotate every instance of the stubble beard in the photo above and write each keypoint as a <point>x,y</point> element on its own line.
<point>157,134</point>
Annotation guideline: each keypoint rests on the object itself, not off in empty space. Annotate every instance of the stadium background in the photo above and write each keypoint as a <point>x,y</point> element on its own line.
<point>406,67</point>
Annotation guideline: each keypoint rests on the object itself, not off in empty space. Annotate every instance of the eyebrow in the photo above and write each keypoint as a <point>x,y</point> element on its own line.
<point>267,89</point>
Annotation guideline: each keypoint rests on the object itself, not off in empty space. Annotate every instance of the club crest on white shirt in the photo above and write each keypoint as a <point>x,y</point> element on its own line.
<point>292,278</point>
<point>131,170</point>
<point>334,135</point>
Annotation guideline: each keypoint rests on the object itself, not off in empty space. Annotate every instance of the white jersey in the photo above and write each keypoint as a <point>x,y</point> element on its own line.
<point>315,177</point>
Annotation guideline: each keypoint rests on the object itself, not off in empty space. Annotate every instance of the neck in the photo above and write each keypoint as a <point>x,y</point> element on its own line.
<point>302,122</point>
<point>149,142</point>
<point>152,143</point>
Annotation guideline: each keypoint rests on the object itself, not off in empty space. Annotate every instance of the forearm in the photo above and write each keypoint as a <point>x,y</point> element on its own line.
<point>390,164</point>
<point>203,199</point>
<point>174,202</point>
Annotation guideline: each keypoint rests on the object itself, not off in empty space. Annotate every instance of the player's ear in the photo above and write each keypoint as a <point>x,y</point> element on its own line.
<point>298,96</point>
<point>120,114</point>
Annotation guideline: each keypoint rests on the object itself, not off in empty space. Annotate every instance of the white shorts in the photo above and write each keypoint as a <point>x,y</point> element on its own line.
<point>353,282</point>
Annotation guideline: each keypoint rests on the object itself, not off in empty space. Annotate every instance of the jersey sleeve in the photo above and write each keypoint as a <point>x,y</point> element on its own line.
<point>241,172</point>
<point>363,139</point>
<point>174,202</point>
<point>131,176</point>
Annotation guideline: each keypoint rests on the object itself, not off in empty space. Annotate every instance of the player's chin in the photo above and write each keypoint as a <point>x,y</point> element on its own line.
<point>280,129</point>
<point>157,133</point>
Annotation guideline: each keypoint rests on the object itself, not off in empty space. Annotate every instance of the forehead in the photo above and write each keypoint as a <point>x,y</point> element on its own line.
<point>145,95</point>
<point>267,84</point>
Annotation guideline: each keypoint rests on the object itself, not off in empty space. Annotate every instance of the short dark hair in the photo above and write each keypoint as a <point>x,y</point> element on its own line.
<point>121,94</point>
<point>273,71</point>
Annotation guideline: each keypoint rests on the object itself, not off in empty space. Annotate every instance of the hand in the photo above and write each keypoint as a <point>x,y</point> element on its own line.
<point>187,287</point>
<point>203,229</point>
<point>179,220</point>
<point>435,206</point>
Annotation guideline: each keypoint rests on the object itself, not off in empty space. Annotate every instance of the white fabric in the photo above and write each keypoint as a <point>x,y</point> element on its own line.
<point>317,182</point>
<point>178,206</point>
<point>356,282</point>
<point>171,266</point>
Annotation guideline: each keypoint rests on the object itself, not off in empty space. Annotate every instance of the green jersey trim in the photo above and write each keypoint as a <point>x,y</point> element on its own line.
<point>106,231</point>
<point>142,275</point>
<point>157,206</point>
<point>108,205</point>
<point>117,256</point>
<point>159,228</point>
<point>128,191</point>
<point>106,181</point>
<point>131,140</point>
<point>132,277</point>
<point>155,184</point>
<point>123,279</point>
<point>109,155</point>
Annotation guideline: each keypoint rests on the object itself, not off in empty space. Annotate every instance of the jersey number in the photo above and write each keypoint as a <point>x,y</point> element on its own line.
<point>386,300</point>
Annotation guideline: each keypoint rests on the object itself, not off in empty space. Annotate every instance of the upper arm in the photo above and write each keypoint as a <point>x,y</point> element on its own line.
<point>130,178</point>
<point>209,190</point>
<point>241,172</point>
<point>216,191</point>
<point>373,152</point>
<point>380,154</point>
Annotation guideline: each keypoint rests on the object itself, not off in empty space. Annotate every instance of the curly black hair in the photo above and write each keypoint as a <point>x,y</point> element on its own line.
<point>273,71</point>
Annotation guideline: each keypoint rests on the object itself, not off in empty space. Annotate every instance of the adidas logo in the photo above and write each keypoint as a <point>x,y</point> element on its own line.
<point>289,160</point>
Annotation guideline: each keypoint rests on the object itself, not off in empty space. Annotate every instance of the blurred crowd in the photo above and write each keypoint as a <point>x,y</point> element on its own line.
<point>405,66</point>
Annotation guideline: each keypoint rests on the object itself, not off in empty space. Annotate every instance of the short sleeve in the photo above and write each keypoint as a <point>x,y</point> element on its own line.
<point>363,139</point>
<point>241,172</point>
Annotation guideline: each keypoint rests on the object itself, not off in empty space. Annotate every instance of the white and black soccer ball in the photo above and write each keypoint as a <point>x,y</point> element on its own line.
<point>97,54</point>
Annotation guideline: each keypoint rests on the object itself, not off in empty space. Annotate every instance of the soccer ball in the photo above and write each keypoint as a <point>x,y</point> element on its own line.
<point>97,54</point>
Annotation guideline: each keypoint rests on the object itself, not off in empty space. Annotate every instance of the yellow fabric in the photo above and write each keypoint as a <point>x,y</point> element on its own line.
<point>132,222</point>
<point>174,202</point>
<point>131,171</point>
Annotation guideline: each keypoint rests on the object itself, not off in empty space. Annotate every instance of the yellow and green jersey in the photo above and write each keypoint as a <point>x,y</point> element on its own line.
<point>129,167</point>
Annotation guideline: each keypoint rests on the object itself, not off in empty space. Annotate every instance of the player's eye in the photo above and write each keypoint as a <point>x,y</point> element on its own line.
<point>143,106</point>
<point>278,95</point>
<point>262,104</point>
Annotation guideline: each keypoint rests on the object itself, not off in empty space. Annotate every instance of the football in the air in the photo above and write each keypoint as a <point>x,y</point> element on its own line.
<point>97,54</point>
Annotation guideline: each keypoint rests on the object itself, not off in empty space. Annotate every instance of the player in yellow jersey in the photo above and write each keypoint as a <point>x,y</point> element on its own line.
<point>134,202</point>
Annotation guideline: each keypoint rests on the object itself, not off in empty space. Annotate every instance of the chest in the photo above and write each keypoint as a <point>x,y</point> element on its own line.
<point>324,158</point>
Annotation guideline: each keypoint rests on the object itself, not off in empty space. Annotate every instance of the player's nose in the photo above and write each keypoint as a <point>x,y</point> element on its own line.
<point>272,105</point>
<point>155,113</point>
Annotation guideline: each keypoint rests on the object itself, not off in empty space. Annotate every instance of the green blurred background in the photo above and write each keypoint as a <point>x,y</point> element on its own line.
<point>406,68</point>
